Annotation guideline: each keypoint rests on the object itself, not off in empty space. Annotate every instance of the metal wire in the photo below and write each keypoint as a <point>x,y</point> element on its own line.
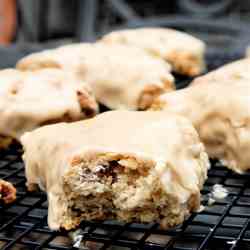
<point>224,225</point>
<point>97,18</point>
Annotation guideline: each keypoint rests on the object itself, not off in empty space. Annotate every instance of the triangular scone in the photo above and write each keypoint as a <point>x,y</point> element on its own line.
<point>31,99</point>
<point>220,111</point>
<point>124,165</point>
<point>183,51</point>
<point>234,71</point>
<point>121,77</point>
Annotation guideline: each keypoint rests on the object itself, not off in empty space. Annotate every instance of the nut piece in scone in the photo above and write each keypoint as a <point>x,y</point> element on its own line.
<point>183,51</point>
<point>234,71</point>
<point>220,111</point>
<point>7,192</point>
<point>31,99</point>
<point>120,76</point>
<point>123,165</point>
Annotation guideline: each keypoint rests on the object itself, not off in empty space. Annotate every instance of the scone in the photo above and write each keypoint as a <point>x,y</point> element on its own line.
<point>183,51</point>
<point>7,192</point>
<point>234,71</point>
<point>31,99</point>
<point>121,77</point>
<point>220,111</point>
<point>124,165</point>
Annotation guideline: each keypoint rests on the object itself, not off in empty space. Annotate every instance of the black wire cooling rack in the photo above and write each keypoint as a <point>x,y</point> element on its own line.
<point>225,225</point>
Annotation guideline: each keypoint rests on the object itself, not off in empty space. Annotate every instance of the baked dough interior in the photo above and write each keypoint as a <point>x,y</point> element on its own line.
<point>128,189</point>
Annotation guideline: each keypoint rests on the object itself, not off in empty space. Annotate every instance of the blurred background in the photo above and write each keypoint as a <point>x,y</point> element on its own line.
<point>32,25</point>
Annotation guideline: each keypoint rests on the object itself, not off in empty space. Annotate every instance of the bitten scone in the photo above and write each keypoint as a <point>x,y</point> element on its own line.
<point>29,100</point>
<point>121,77</point>
<point>7,192</point>
<point>234,71</point>
<point>124,165</point>
<point>183,51</point>
<point>220,111</point>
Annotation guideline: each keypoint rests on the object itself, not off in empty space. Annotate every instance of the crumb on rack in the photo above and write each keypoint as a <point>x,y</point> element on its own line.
<point>219,192</point>
<point>7,192</point>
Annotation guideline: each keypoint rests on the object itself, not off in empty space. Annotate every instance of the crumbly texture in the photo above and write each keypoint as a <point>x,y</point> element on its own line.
<point>7,192</point>
<point>220,112</point>
<point>31,99</point>
<point>124,165</point>
<point>112,187</point>
<point>235,71</point>
<point>120,76</point>
<point>184,52</point>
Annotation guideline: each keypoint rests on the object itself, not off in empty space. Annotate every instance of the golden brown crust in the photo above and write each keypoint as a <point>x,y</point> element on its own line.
<point>186,63</point>
<point>7,192</point>
<point>149,94</point>
<point>29,65</point>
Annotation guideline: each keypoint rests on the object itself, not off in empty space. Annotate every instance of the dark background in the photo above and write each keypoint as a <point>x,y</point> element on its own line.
<point>39,24</point>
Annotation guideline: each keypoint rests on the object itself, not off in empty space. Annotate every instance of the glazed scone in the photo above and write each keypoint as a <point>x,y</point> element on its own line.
<point>7,192</point>
<point>121,77</point>
<point>124,165</point>
<point>234,71</point>
<point>31,99</point>
<point>183,51</point>
<point>220,111</point>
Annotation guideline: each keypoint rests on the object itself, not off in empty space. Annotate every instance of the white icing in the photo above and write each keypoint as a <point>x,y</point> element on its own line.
<point>219,192</point>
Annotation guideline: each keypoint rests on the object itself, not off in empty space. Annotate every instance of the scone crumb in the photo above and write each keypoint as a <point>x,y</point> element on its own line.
<point>219,192</point>
<point>7,192</point>
<point>211,201</point>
